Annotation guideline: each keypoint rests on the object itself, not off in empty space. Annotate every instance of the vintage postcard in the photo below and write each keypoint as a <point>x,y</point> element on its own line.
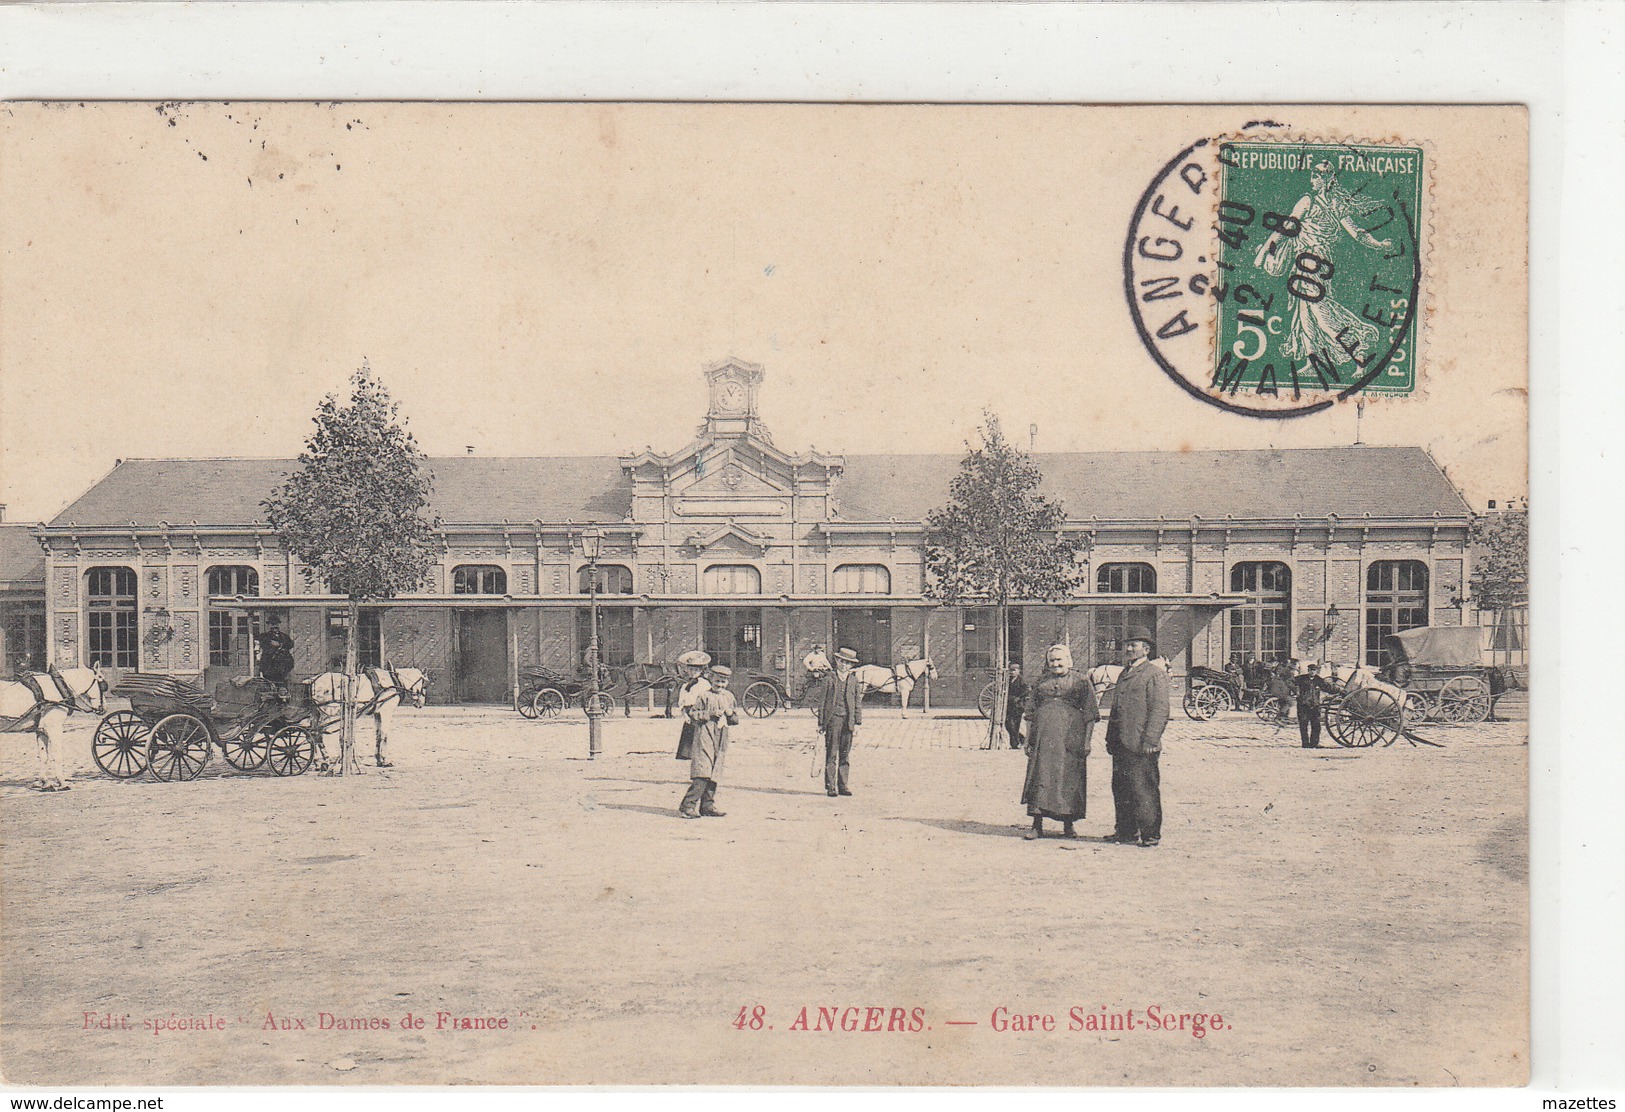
<point>763,594</point>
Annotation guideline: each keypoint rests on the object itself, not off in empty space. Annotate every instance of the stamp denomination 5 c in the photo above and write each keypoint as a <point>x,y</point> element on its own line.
<point>1293,277</point>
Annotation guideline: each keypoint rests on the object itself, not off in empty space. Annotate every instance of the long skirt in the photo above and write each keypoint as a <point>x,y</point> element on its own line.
<point>1057,784</point>
<point>685,741</point>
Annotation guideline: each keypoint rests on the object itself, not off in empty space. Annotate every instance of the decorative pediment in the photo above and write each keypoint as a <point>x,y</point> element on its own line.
<point>729,540</point>
<point>731,479</point>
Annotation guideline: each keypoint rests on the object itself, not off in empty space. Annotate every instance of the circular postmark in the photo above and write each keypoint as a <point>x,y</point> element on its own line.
<point>1272,276</point>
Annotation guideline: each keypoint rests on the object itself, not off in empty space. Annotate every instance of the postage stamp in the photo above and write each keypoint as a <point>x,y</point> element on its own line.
<point>1309,264</point>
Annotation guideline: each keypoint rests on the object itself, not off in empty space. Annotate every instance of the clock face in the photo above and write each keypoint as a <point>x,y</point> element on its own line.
<point>731,397</point>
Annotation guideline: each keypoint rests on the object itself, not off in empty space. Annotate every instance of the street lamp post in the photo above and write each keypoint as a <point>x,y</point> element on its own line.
<point>592,541</point>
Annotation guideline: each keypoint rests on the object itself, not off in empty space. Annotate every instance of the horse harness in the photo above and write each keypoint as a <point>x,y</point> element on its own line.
<point>65,697</point>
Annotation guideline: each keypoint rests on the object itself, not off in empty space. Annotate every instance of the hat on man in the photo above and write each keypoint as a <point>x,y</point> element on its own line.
<point>694,658</point>
<point>847,655</point>
<point>1139,633</point>
<point>722,671</point>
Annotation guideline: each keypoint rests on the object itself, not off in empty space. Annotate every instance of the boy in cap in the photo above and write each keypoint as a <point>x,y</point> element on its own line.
<point>840,710</point>
<point>1134,740</point>
<point>712,712</point>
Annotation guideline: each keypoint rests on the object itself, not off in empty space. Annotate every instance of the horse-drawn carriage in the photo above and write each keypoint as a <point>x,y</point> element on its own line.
<point>546,693</point>
<point>1209,691</point>
<point>1442,670</point>
<point>172,727</point>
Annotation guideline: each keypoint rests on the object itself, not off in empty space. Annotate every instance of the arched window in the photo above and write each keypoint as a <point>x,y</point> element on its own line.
<point>1126,579</point>
<point>1261,629</point>
<point>1396,599</point>
<point>613,579</point>
<point>111,621</point>
<point>478,579</point>
<point>861,579</point>
<point>231,631</point>
<point>732,579</point>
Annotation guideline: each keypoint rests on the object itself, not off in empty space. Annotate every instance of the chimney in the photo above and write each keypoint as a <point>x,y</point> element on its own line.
<point>2,511</point>
<point>1032,438</point>
<point>469,448</point>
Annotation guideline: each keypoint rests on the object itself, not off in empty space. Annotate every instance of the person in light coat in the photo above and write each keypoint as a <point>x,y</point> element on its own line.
<point>711,712</point>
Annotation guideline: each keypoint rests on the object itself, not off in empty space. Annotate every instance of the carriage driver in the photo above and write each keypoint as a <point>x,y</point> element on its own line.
<point>276,652</point>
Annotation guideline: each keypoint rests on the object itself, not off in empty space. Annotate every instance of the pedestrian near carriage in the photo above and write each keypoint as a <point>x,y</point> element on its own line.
<point>712,712</point>
<point>1134,740</point>
<point>1062,711</point>
<point>840,712</point>
<point>1310,686</point>
<point>1015,705</point>
<point>692,687</point>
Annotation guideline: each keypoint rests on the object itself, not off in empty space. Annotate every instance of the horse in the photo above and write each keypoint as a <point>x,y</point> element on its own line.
<point>42,706</point>
<point>1103,677</point>
<point>376,693</point>
<point>901,678</point>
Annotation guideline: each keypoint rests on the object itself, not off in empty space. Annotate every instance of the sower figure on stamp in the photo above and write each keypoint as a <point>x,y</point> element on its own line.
<point>693,686</point>
<point>712,712</point>
<point>1310,687</point>
<point>840,710</point>
<point>1134,740</point>
<point>1063,713</point>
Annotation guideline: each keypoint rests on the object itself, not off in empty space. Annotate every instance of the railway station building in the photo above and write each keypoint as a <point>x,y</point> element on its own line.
<point>756,553</point>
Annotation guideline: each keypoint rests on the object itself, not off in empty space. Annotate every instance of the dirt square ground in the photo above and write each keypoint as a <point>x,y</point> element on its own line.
<point>1334,916</point>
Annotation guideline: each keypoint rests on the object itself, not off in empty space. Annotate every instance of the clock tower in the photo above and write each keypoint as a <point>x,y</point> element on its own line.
<point>733,386</point>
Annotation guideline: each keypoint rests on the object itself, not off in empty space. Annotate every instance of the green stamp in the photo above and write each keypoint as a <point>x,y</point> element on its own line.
<point>1318,269</point>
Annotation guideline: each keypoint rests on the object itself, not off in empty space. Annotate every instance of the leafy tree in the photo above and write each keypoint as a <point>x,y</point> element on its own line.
<point>1500,548</point>
<point>997,540</point>
<point>353,512</point>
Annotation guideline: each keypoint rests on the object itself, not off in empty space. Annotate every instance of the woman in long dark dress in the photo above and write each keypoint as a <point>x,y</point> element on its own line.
<point>1062,710</point>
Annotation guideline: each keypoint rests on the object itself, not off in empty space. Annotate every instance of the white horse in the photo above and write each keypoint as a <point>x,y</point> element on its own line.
<point>1103,677</point>
<point>43,713</point>
<point>376,693</point>
<point>901,678</point>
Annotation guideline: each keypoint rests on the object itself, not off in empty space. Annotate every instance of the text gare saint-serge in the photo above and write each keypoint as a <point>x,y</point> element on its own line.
<point>1003,1020</point>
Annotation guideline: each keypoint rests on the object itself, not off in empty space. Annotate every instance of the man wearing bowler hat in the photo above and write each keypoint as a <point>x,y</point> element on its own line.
<point>840,710</point>
<point>1134,740</point>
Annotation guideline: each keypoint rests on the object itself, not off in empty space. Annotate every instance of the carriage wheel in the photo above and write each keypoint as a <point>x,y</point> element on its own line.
<point>986,701</point>
<point>1416,707</point>
<point>246,753</point>
<point>547,703</point>
<point>178,747</point>
<point>1274,711</point>
<point>1464,701</point>
<point>120,745</point>
<point>602,703</point>
<point>526,705</point>
<point>1364,718</point>
<point>1204,701</point>
<point>761,700</point>
<point>291,751</point>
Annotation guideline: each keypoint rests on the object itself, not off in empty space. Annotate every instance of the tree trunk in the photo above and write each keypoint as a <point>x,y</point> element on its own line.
<point>1001,673</point>
<point>352,651</point>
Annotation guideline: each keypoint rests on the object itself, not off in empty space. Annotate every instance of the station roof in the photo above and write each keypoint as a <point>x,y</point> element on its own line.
<point>22,561</point>
<point>1351,482</point>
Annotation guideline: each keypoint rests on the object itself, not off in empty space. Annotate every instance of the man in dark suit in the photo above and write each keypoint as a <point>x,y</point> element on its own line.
<point>1134,740</point>
<point>840,710</point>
<point>1310,687</point>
